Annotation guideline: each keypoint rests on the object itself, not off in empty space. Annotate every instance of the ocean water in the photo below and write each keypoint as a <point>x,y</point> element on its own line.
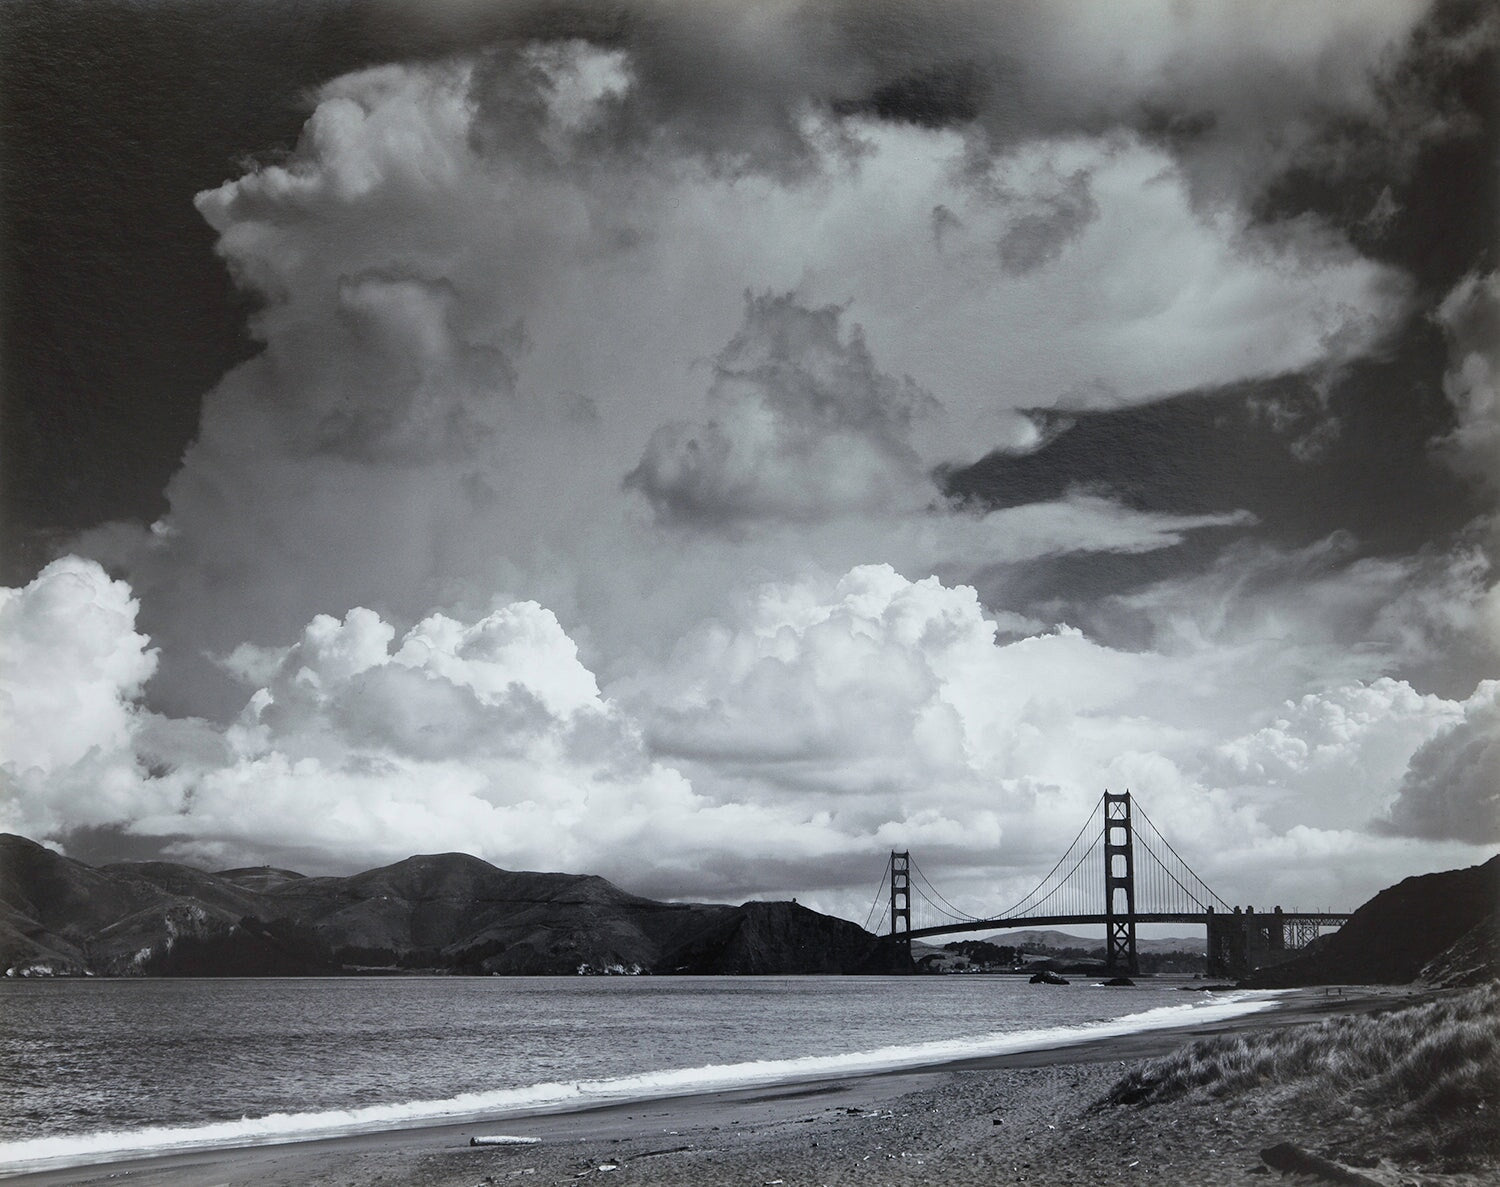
<point>95,1069</point>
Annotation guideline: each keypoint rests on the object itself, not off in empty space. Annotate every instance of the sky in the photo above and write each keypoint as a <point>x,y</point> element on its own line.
<point>712,445</point>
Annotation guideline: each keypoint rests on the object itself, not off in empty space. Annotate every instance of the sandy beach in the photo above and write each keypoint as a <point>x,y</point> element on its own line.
<point>1024,1117</point>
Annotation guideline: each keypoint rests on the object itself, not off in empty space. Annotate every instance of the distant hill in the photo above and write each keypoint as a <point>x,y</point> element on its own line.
<point>1437,927</point>
<point>449,912</point>
<point>1061,940</point>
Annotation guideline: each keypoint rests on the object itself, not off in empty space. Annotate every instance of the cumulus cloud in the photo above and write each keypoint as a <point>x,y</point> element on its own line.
<point>1330,757</point>
<point>1452,788</point>
<point>489,736</point>
<point>845,681</point>
<point>782,746</point>
<point>892,705</point>
<point>71,663</point>
<point>804,427</point>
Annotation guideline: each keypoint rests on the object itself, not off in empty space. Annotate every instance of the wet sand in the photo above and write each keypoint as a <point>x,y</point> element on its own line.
<point>1022,1117</point>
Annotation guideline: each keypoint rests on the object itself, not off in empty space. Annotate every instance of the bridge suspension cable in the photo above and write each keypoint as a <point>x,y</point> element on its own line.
<point>885,873</point>
<point>1091,871</point>
<point>954,913</point>
<point>1073,857</point>
<point>1130,867</point>
<point>1170,884</point>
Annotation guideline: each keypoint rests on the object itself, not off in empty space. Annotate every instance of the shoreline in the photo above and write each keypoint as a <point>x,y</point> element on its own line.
<point>677,1124</point>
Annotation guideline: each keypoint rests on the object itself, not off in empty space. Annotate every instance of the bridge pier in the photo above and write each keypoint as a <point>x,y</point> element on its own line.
<point>1119,885</point>
<point>1244,940</point>
<point>1221,944</point>
<point>901,904</point>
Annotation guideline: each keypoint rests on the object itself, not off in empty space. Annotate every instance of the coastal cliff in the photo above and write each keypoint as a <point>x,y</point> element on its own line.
<point>445,912</point>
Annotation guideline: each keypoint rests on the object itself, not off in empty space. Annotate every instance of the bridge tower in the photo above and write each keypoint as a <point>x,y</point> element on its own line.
<point>1119,884</point>
<point>901,901</point>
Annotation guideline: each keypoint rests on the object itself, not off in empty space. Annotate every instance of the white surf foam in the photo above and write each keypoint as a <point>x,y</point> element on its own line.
<point>49,1153</point>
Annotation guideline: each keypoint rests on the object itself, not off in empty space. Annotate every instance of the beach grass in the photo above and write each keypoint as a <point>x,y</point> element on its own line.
<point>1423,1080</point>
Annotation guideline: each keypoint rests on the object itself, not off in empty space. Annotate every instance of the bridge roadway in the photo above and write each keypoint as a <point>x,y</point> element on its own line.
<point>1201,918</point>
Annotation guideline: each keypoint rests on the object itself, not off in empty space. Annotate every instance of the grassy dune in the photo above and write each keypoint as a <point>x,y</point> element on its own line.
<point>1422,1082</point>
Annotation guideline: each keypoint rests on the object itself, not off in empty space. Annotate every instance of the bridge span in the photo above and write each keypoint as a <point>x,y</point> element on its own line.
<point>1320,919</point>
<point>1149,883</point>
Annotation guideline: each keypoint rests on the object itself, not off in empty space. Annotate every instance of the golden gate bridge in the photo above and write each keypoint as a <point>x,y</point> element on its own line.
<point>1119,861</point>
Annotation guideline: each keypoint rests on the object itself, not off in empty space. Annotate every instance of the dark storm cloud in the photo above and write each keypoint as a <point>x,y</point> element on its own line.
<point>1415,182</point>
<point>935,97</point>
<point>1214,450</point>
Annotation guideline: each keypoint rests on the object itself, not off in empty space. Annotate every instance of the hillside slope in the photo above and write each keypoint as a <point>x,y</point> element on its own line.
<point>448,912</point>
<point>1444,923</point>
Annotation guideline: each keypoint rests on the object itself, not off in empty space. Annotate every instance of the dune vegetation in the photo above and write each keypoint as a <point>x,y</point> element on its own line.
<point>1419,1082</point>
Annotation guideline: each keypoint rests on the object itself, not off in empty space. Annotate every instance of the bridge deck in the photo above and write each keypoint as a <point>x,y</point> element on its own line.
<point>1199,917</point>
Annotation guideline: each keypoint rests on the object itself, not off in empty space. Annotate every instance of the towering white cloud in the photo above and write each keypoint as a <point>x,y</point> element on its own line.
<point>71,666</point>
<point>487,285</point>
<point>71,663</point>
